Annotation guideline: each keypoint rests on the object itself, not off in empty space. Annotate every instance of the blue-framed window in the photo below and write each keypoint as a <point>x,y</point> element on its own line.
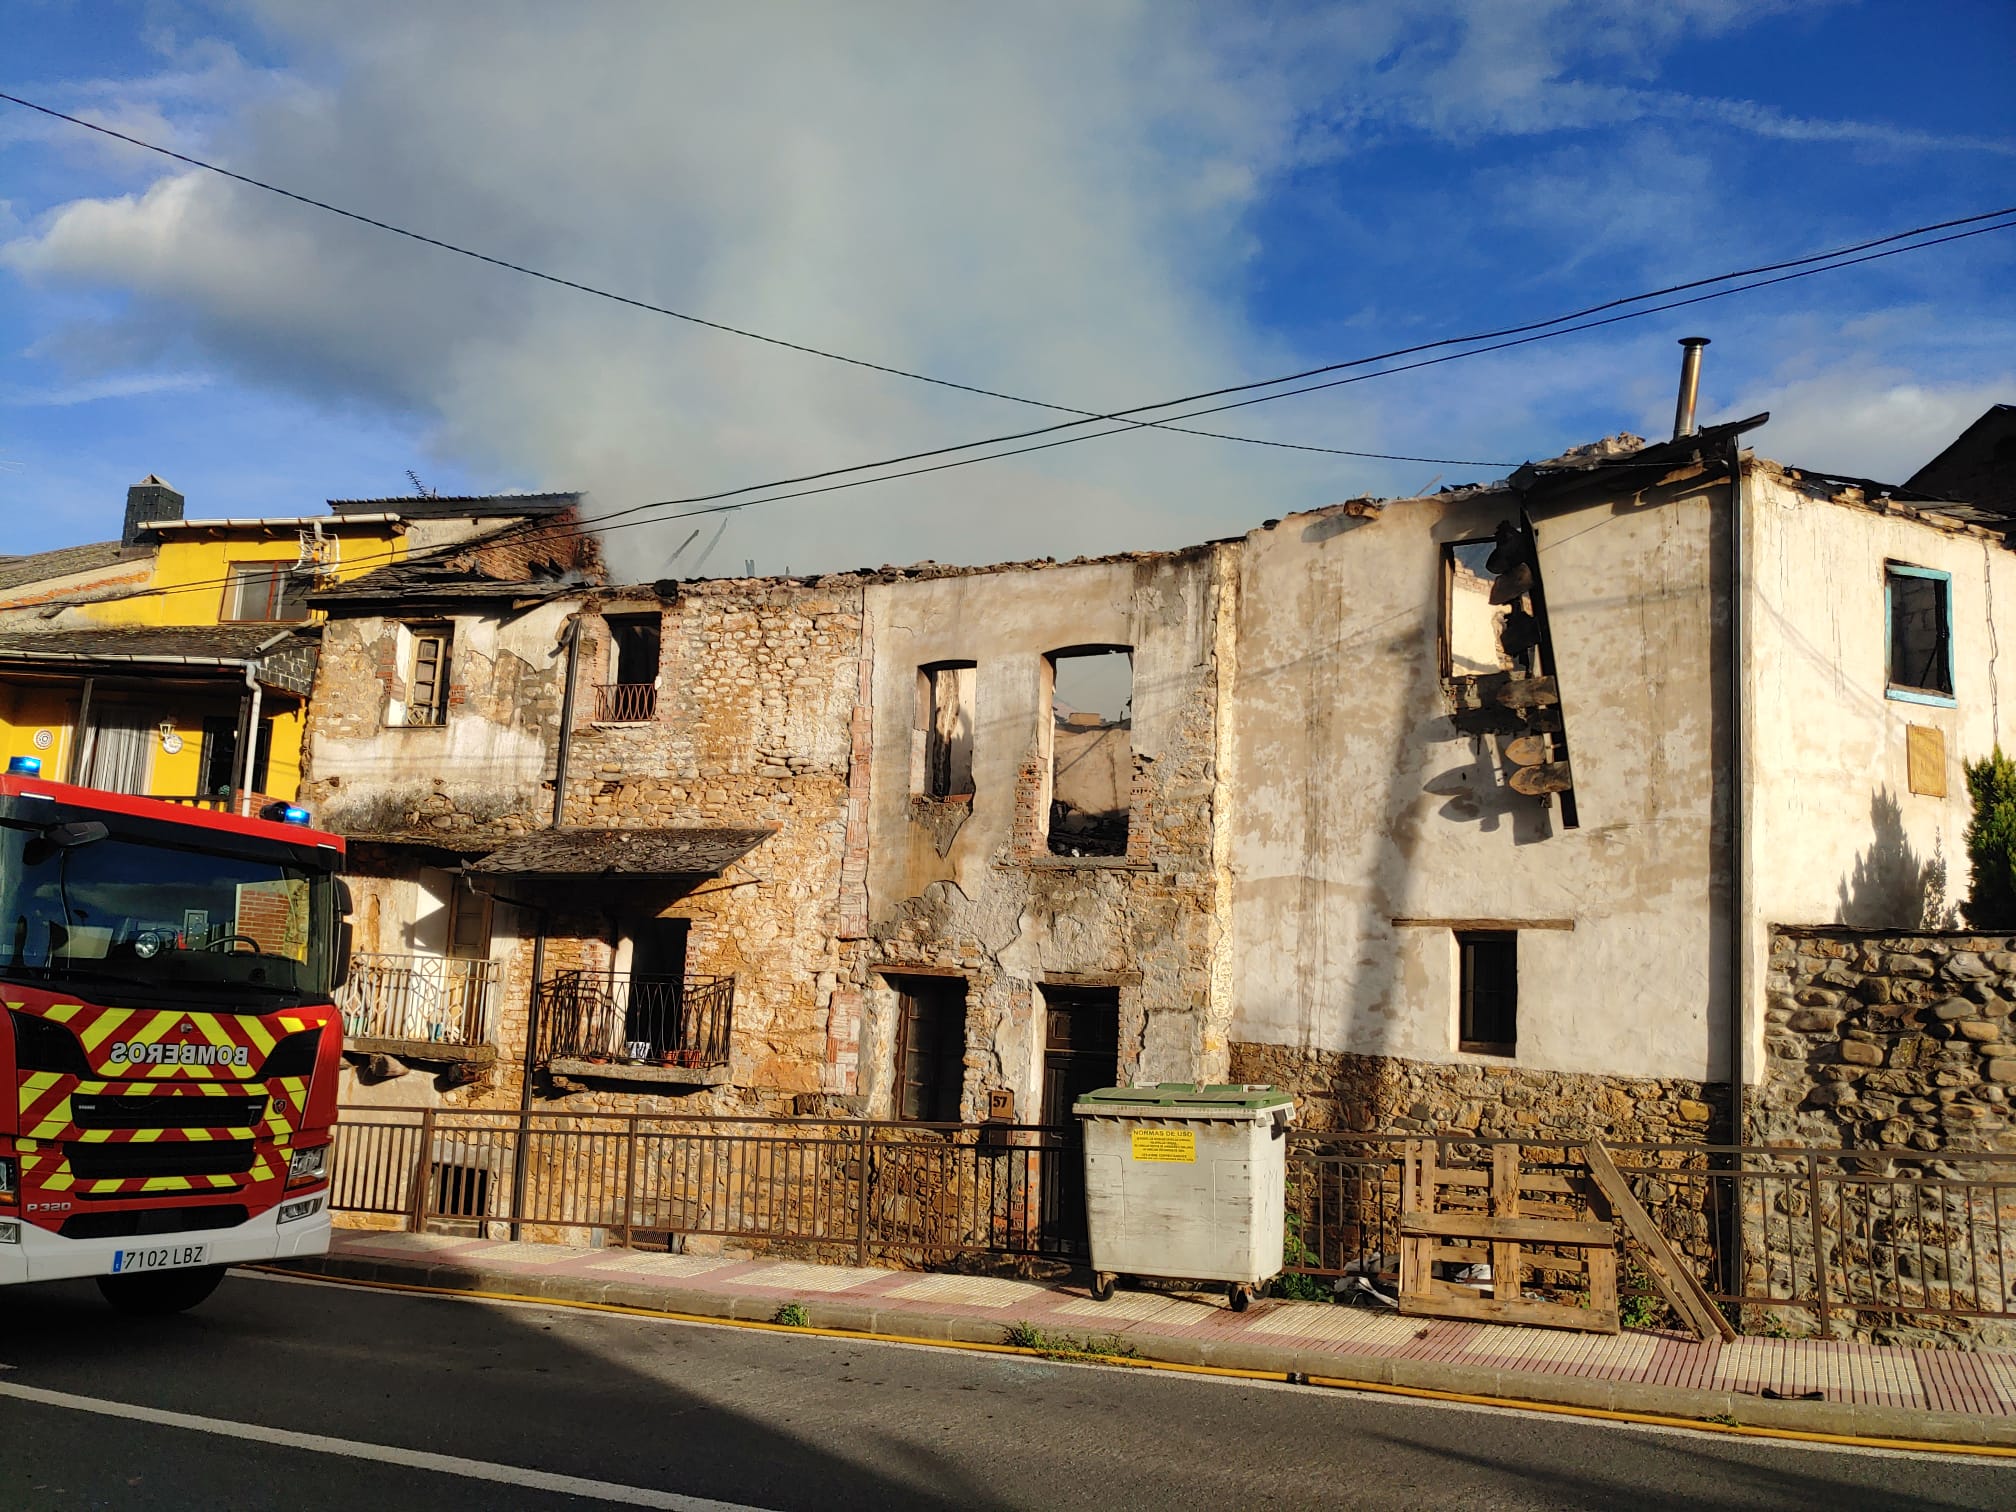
<point>1918,633</point>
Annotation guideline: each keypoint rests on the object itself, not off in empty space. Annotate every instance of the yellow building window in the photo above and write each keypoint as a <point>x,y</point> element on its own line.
<point>265,591</point>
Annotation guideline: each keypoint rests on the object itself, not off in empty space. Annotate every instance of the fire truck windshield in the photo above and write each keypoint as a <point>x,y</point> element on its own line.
<point>117,917</point>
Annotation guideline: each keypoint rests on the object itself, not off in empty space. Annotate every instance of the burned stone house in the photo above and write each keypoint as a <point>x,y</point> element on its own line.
<point>1470,811</point>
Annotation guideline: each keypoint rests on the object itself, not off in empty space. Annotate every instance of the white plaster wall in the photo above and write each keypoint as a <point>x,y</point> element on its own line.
<point>474,752</point>
<point>1005,623</point>
<point>1837,834</point>
<point>1358,803</point>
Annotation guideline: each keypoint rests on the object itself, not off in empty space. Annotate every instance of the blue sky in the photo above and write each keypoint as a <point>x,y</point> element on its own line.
<point>1092,203</point>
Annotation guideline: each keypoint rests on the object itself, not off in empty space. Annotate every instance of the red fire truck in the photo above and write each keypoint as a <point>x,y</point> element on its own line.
<point>167,1043</point>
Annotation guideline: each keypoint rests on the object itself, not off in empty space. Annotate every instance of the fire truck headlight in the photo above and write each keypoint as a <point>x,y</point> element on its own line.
<point>308,1166</point>
<point>10,1231</point>
<point>307,1207</point>
<point>10,1177</point>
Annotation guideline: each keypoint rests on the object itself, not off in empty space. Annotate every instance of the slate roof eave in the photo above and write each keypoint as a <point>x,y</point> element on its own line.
<point>668,851</point>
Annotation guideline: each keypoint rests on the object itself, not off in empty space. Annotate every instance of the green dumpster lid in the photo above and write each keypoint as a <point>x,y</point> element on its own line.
<point>1189,1095</point>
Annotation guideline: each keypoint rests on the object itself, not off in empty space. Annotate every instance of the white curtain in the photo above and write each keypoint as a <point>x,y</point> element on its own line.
<point>116,751</point>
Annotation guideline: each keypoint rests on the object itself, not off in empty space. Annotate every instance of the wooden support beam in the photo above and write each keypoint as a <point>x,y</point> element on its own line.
<point>1525,1310</point>
<point>1505,1204</point>
<point>1670,1273</point>
<point>1521,1230</point>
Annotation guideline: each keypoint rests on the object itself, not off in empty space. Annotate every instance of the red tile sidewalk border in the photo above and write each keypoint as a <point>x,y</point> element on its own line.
<point>1957,1401</point>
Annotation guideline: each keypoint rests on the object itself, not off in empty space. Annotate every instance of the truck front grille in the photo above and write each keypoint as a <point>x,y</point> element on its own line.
<point>116,1162</point>
<point>166,1112</point>
<point>178,1220</point>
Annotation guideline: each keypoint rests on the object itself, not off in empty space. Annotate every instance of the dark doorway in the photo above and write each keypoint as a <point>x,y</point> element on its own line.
<point>221,769</point>
<point>651,1012</point>
<point>1081,1052</point>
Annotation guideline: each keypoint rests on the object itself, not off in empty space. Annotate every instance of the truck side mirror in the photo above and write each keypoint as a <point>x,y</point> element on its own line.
<point>340,968</point>
<point>78,832</point>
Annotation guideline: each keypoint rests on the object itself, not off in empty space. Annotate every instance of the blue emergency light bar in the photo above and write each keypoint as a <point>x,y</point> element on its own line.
<point>285,813</point>
<point>24,766</point>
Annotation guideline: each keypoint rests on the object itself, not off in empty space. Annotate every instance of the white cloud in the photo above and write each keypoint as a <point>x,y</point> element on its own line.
<point>111,386</point>
<point>1050,199</point>
<point>1868,419</point>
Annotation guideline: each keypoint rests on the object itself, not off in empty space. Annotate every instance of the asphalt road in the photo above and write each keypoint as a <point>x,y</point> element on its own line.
<point>772,1421</point>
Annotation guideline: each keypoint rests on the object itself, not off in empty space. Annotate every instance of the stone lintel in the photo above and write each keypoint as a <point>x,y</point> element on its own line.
<point>420,1050</point>
<point>628,1071</point>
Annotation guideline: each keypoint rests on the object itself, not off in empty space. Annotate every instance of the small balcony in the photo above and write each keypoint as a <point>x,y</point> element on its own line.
<point>419,1007</point>
<point>623,1027</point>
<point>626,703</point>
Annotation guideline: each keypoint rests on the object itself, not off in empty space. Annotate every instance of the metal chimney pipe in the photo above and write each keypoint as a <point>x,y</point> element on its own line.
<point>1690,385</point>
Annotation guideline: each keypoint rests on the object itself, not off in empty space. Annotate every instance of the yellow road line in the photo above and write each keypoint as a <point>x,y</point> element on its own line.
<point>1382,1388</point>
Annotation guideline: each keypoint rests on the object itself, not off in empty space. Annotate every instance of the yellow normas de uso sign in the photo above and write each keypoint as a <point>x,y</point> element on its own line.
<point>1177,1146</point>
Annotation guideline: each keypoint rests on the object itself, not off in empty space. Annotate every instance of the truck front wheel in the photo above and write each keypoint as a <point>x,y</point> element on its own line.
<point>155,1294</point>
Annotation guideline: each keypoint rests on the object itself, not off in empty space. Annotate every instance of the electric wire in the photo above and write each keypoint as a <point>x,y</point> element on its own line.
<point>1085,416</point>
<point>691,319</point>
<point>1522,335</point>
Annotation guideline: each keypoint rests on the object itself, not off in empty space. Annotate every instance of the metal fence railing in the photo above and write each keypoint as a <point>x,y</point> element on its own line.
<point>626,703</point>
<point>906,1193</point>
<point>618,1016</point>
<point>416,997</point>
<point>1842,1237</point>
<point>1831,1233</point>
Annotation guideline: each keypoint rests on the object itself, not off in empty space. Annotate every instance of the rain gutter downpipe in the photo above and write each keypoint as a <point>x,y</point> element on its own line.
<point>1739,854</point>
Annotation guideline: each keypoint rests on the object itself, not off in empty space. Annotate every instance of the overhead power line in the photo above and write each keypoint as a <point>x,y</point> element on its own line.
<point>1520,335</point>
<point>691,319</point>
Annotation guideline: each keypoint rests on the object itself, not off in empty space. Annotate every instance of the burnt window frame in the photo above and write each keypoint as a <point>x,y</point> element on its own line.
<point>1503,1013</point>
<point>927,783</point>
<point>1445,638</point>
<point>942,1089</point>
<point>1896,574</point>
<point>1053,844</point>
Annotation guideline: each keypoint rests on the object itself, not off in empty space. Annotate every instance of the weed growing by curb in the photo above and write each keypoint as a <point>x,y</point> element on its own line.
<point>1063,1347</point>
<point>792,1315</point>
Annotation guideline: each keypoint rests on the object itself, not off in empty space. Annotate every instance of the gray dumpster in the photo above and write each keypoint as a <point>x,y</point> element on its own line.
<point>1186,1182</point>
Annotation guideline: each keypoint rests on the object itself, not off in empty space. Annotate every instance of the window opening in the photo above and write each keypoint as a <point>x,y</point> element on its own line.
<point>1919,603</point>
<point>1488,624</point>
<point>1488,976</point>
<point>1091,750</point>
<point>427,675</point>
<point>631,694</point>
<point>947,701</point>
<point>260,591</point>
<point>930,1048</point>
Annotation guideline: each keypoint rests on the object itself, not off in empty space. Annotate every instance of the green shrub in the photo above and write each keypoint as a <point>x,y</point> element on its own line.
<point>1991,843</point>
<point>792,1315</point>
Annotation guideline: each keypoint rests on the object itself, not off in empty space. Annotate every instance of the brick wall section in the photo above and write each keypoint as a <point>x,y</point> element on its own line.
<point>536,547</point>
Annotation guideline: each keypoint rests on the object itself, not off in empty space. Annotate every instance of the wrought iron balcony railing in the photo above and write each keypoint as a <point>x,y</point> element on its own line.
<point>626,703</point>
<point>635,1020</point>
<point>416,997</point>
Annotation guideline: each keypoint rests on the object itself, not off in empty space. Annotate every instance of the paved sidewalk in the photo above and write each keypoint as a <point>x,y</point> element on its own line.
<point>1950,1396</point>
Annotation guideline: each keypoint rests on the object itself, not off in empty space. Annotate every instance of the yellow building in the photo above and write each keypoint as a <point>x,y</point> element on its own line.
<point>177,661</point>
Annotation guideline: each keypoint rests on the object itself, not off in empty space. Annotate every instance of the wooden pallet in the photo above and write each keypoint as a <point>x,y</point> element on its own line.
<point>1464,1215</point>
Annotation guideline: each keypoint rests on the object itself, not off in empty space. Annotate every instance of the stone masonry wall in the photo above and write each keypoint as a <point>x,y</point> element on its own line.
<point>1888,1041</point>
<point>1366,1094</point>
<point>757,684</point>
